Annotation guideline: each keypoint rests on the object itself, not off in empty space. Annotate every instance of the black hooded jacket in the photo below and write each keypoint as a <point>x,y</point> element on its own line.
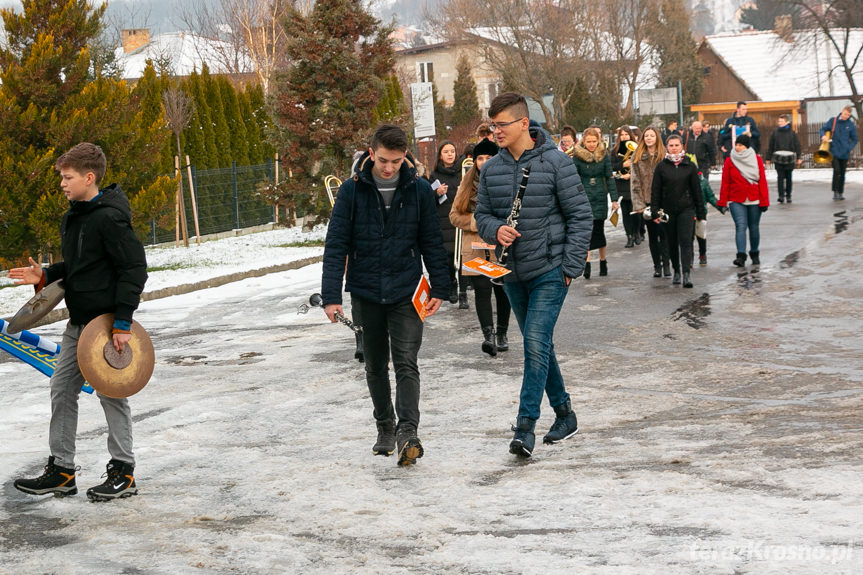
<point>104,267</point>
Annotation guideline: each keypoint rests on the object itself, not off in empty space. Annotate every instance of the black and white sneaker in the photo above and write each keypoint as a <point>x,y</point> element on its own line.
<point>120,482</point>
<point>55,479</point>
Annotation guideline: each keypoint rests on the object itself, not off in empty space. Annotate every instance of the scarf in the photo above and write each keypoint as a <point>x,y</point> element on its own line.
<point>747,162</point>
<point>675,158</point>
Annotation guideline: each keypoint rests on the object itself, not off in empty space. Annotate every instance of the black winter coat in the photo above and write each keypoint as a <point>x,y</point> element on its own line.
<point>452,178</point>
<point>622,185</point>
<point>385,252</point>
<point>784,139</point>
<point>676,188</point>
<point>703,148</point>
<point>104,267</point>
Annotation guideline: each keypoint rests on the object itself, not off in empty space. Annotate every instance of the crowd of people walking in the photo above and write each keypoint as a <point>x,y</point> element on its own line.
<point>538,206</point>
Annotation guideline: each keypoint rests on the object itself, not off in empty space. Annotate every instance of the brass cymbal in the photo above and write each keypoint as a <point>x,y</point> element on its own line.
<point>37,307</point>
<point>111,373</point>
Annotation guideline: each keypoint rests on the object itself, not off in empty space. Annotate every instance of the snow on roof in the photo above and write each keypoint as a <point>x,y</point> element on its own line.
<point>763,62</point>
<point>186,53</point>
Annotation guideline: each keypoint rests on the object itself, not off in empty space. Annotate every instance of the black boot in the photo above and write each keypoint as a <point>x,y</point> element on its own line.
<point>657,271</point>
<point>676,278</point>
<point>630,241</point>
<point>587,270</point>
<point>462,300</point>
<point>453,291</point>
<point>502,341</point>
<point>565,424</point>
<point>666,270</point>
<point>603,267</point>
<point>409,445</point>
<point>755,258</point>
<point>788,198</point>
<point>524,438</point>
<point>740,260</point>
<point>639,237</point>
<point>358,354</point>
<point>386,443</point>
<point>55,479</point>
<point>119,482</point>
<point>488,345</point>
<point>781,199</point>
<point>687,283</point>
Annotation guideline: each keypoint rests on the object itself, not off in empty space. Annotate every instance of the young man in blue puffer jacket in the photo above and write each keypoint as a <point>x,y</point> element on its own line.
<point>385,223</point>
<point>546,249</point>
<point>843,136</point>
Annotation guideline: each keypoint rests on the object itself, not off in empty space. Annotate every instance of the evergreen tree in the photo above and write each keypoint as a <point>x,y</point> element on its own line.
<point>261,115</point>
<point>441,115</point>
<point>202,126</point>
<point>53,96</point>
<point>325,102</point>
<point>762,14</point>
<point>676,57</point>
<point>234,121</point>
<point>253,132</point>
<point>221,152</point>
<point>465,108</point>
<point>391,107</point>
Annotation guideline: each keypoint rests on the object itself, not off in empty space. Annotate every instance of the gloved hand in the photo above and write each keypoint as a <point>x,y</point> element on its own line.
<point>763,208</point>
<point>722,210</point>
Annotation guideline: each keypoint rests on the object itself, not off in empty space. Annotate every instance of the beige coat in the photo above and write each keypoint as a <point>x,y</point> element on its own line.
<point>467,223</point>
<point>640,182</point>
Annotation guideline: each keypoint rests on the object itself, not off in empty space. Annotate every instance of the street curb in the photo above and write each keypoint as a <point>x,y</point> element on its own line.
<point>63,314</point>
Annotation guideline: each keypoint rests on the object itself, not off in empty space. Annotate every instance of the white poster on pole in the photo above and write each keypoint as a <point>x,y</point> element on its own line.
<point>422,102</point>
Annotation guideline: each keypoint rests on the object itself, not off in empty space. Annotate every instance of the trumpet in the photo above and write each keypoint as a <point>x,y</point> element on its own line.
<point>823,155</point>
<point>466,164</point>
<point>630,148</point>
<point>332,184</point>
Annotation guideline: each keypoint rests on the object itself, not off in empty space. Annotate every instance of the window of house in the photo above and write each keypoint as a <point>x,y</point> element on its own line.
<point>492,90</point>
<point>425,71</point>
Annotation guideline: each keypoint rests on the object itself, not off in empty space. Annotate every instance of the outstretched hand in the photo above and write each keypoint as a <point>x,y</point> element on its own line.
<point>29,275</point>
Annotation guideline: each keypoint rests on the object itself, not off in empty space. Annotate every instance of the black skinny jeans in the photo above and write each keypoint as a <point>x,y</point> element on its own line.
<point>482,289</point>
<point>784,183</point>
<point>839,167</point>
<point>679,229</point>
<point>630,221</point>
<point>397,328</point>
<point>658,242</point>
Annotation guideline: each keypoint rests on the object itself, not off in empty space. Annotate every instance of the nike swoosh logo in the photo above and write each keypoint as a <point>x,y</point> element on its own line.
<point>119,485</point>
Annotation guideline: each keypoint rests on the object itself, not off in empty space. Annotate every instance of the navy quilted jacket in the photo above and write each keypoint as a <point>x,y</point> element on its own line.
<point>385,252</point>
<point>555,220</point>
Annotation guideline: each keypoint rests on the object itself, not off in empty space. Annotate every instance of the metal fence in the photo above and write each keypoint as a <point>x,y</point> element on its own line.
<point>227,199</point>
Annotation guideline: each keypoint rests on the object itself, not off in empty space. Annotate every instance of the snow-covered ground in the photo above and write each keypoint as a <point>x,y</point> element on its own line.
<point>253,438</point>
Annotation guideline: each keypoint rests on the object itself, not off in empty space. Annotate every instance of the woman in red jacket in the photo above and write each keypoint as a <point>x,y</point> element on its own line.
<point>744,191</point>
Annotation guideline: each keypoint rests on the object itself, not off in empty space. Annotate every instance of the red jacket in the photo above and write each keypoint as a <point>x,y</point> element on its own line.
<point>736,188</point>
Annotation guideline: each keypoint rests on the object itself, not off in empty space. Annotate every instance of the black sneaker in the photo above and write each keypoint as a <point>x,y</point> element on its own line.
<point>565,424</point>
<point>386,443</point>
<point>524,438</point>
<point>55,479</point>
<point>120,482</point>
<point>410,448</point>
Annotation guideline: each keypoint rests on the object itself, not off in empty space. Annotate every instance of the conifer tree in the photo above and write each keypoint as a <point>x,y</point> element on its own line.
<point>324,103</point>
<point>202,124</point>
<point>465,108</point>
<point>234,121</point>
<point>221,152</point>
<point>675,50</point>
<point>264,123</point>
<point>253,132</point>
<point>52,96</point>
<point>391,107</point>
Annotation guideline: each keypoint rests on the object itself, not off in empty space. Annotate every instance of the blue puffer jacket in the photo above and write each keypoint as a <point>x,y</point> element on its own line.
<point>555,220</point>
<point>844,139</point>
<point>383,251</point>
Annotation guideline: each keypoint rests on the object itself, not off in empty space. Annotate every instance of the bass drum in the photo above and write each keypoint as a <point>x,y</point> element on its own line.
<point>784,159</point>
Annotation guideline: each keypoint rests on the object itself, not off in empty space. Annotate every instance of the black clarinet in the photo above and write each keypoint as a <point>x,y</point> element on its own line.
<point>315,300</point>
<point>512,219</point>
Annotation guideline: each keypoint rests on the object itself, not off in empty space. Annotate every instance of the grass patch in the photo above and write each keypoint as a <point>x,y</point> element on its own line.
<point>5,285</point>
<point>169,267</point>
<point>303,244</point>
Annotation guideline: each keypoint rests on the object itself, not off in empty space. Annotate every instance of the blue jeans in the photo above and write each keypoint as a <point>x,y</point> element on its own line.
<point>746,217</point>
<point>536,305</point>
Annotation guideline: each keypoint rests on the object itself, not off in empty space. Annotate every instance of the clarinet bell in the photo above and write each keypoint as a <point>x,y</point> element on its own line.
<point>315,300</point>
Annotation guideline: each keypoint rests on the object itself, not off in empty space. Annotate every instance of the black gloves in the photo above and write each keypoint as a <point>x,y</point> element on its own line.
<point>763,208</point>
<point>722,210</point>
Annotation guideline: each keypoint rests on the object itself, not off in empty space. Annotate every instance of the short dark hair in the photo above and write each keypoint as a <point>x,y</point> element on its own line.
<point>84,158</point>
<point>507,101</point>
<point>483,130</point>
<point>785,117</point>
<point>740,103</point>
<point>391,137</point>
<point>568,130</point>
<point>673,137</point>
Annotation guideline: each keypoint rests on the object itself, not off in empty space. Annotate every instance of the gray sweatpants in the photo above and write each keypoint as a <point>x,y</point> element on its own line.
<point>65,388</point>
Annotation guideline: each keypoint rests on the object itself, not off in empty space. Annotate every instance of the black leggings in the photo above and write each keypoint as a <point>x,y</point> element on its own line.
<point>482,288</point>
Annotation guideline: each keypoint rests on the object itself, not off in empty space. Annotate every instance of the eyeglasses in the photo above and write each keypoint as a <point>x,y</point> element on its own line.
<point>501,125</point>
